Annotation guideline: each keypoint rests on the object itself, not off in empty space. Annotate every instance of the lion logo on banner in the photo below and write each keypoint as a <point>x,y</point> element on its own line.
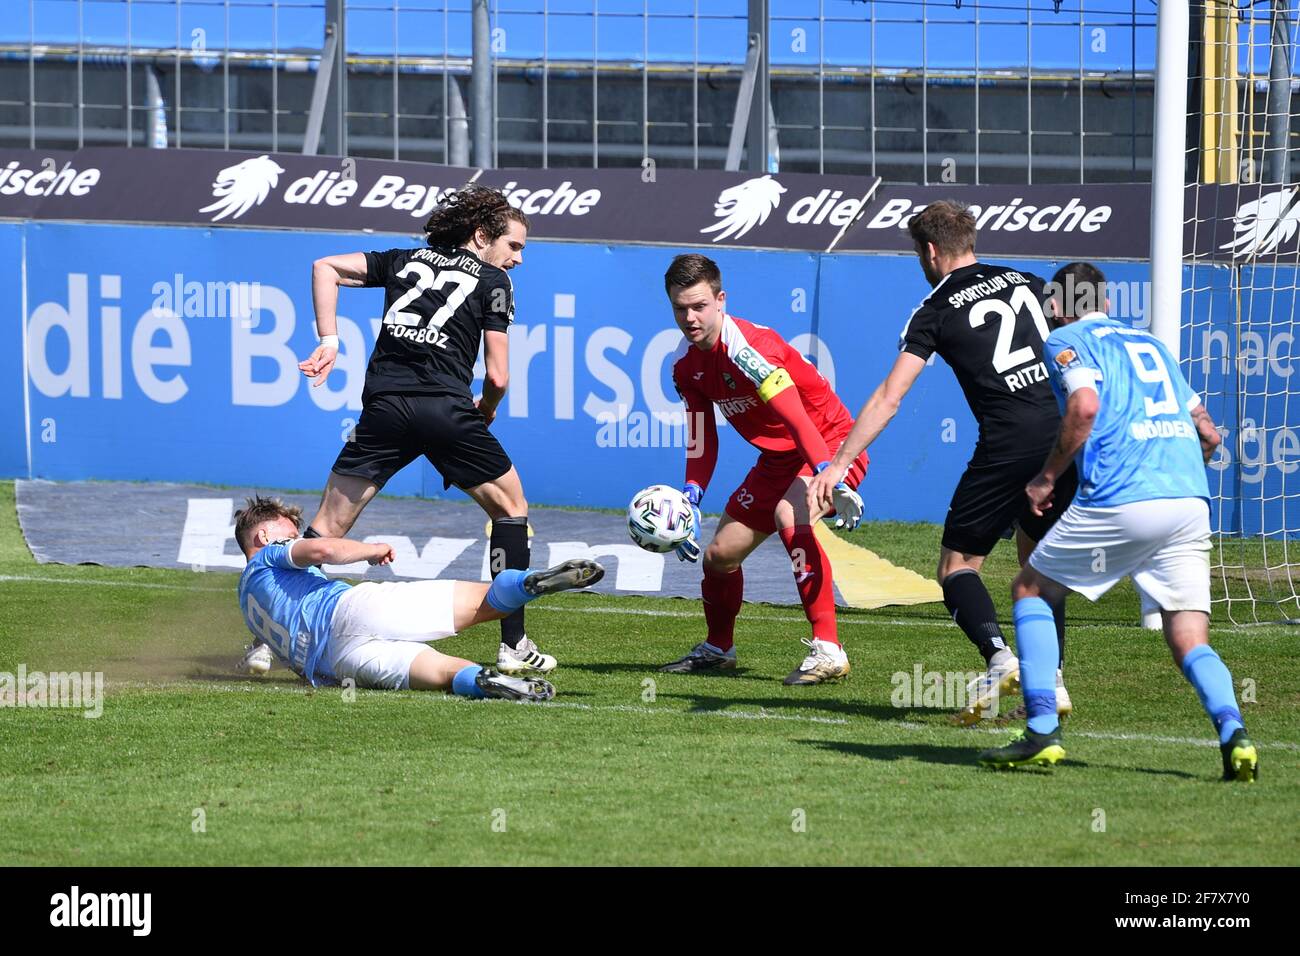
<point>239,188</point>
<point>1264,224</point>
<point>744,206</point>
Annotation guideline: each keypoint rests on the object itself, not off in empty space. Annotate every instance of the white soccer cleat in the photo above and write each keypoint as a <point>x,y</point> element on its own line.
<point>825,662</point>
<point>986,690</point>
<point>257,659</point>
<point>524,659</point>
<point>1064,706</point>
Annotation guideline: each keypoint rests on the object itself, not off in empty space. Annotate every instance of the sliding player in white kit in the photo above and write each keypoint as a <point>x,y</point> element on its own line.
<point>376,633</point>
<point>1141,438</point>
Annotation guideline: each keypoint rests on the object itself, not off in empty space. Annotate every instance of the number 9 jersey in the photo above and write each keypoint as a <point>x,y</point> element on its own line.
<point>1143,444</point>
<point>437,304</point>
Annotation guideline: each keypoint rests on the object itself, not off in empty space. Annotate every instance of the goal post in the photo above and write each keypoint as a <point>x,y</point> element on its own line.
<point>1225,279</point>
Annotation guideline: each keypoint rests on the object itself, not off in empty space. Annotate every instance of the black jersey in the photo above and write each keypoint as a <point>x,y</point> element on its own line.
<point>987,322</point>
<point>438,302</point>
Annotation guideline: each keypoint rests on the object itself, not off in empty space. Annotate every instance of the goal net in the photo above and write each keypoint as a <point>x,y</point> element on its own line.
<point>1240,272</point>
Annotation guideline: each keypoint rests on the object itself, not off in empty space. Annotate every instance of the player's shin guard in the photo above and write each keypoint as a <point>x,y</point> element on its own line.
<point>508,548</point>
<point>812,576</point>
<point>722,592</point>
<point>1036,648</point>
<point>1213,682</point>
<point>968,601</point>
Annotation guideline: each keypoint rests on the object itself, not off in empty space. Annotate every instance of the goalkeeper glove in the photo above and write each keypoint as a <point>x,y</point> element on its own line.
<point>847,503</point>
<point>689,550</point>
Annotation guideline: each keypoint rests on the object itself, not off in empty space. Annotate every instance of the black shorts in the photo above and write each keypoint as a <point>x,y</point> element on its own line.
<point>448,430</point>
<point>990,498</point>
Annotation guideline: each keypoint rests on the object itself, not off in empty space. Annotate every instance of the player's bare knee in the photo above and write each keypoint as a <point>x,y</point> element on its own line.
<point>1024,586</point>
<point>716,559</point>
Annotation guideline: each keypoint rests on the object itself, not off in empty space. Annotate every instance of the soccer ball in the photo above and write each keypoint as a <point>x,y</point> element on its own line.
<point>659,518</point>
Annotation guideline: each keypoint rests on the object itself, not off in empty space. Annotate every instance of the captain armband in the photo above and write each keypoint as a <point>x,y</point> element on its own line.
<point>774,384</point>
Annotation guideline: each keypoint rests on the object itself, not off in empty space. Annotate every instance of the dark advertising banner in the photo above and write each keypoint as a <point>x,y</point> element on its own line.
<point>693,208</point>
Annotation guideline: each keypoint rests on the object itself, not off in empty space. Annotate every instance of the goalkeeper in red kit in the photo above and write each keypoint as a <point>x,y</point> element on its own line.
<point>778,402</point>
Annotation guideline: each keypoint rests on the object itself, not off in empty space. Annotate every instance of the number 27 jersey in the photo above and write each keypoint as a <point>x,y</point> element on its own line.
<point>438,302</point>
<point>987,323</point>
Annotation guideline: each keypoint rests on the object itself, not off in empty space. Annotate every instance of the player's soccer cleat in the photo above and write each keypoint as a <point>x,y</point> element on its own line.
<point>825,662</point>
<point>1240,760</point>
<point>984,693</point>
<point>1064,706</point>
<point>524,659</point>
<point>494,684</point>
<point>567,576</point>
<point>703,657</point>
<point>1026,749</point>
<point>257,659</point>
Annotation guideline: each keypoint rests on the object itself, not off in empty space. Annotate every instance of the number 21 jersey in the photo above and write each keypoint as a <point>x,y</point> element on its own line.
<point>987,322</point>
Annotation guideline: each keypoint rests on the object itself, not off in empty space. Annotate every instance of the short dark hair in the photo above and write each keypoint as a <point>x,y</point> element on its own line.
<point>258,510</point>
<point>690,268</point>
<point>946,223</point>
<point>1078,288</point>
<point>467,210</point>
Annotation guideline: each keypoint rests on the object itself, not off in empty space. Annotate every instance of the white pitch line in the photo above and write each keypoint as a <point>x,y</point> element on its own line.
<point>640,612</point>
<point>375,696</point>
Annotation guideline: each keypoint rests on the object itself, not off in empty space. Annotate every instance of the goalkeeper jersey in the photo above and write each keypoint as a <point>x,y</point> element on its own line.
<point>748,374</point>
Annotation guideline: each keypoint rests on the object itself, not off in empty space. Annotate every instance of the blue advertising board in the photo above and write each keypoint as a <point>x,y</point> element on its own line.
<point>170,354</point>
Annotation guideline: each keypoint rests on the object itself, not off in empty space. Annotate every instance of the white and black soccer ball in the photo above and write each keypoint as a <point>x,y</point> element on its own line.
<point>659,518</point>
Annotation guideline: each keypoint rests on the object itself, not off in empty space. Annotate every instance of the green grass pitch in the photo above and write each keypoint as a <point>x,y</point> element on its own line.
<point>616,770</point>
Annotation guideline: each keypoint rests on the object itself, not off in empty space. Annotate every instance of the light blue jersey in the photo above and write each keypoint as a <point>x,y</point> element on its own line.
<point>290,608</point>
<point>1143,444</point>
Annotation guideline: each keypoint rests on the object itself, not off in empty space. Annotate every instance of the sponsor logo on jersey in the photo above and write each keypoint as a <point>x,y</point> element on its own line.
<point>752,364</point>
<point>239,188</point>
<point>735,406</point>
<point>1263,225</point>
<point>741,207</point>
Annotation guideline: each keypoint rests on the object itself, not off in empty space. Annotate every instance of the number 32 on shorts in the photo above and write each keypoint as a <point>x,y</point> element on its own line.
<point>744,498</point>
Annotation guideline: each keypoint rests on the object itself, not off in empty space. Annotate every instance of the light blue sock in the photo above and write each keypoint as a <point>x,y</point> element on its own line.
<point>1205,671</point>
<point>1038,652</point>
<point>507,593</point>
<point>463,683</point>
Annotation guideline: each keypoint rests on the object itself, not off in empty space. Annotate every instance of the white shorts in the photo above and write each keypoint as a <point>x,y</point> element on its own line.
<point>1164,544</point>
<point>379,628</point>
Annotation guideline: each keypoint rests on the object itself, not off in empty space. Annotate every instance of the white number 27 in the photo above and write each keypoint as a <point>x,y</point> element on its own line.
<point>425,280</point>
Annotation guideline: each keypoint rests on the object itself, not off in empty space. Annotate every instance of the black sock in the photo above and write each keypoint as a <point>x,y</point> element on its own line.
<point>508,548</point>
<point>1058,612</point>
<point>968,601</point>
<point>312,533</point>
